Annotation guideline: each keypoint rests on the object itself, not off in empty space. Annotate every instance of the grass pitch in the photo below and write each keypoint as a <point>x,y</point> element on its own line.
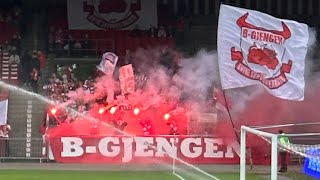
<point>100,175</point>
<point>125,175</point>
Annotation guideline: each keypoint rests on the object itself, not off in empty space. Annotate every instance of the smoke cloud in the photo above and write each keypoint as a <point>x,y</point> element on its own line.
<point>186,84</point>
<point>183,84</point>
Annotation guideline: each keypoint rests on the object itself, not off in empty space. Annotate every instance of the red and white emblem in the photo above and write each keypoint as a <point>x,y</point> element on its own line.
<point>112,14</point>
<point>261,54</point>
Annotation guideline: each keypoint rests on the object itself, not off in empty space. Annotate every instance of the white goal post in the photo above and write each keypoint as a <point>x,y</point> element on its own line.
<point>274,151</point>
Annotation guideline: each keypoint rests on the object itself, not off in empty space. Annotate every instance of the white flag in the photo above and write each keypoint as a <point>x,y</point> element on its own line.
<point>108,63</point>
<point>256,48</point>
<point>127,80</point>
<point>3,112</point>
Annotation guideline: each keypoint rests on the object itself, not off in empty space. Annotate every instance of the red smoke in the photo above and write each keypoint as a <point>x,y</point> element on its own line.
<point>266,109</point>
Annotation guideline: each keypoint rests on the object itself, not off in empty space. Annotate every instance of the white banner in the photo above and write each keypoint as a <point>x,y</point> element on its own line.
<point>112,14</point>
<point>108,63</point>
<point>3,112</point>
<point>118,149</point>
<point>256,48</point>
<point>126,77</point>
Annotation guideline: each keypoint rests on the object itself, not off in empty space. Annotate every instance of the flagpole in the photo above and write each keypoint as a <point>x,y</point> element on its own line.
<point>228,110</point>
<point>225,100</point>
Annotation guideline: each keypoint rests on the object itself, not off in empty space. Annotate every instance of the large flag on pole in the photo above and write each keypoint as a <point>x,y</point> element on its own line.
<point>256,48</point>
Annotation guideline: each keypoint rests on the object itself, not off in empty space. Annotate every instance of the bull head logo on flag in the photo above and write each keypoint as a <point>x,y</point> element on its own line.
<point>256,48</point>
<point>265,56</point>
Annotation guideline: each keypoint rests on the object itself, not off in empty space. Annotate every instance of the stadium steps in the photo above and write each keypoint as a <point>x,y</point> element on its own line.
<point>19,112</point>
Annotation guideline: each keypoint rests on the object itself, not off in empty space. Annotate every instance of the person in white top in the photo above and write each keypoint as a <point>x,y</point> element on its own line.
<point>14,58</point>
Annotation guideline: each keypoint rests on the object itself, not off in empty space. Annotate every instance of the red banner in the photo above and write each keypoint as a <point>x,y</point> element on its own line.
<point>122,149</point>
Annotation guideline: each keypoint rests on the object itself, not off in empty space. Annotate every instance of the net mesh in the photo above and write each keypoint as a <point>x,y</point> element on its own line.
<point>303,150</point>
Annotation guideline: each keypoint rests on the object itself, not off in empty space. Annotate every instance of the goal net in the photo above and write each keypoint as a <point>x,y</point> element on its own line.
<point>243,152</point>
<point>303,147</point>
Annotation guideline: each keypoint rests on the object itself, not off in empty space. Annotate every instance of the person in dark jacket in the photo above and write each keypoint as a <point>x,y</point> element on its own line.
<point>34,79</point>
<point>25,64</point>
<point>35,62</point>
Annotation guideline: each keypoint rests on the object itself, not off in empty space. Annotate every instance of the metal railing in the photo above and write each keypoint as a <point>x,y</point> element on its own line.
<point>93,49</point>
<point>22,149</point>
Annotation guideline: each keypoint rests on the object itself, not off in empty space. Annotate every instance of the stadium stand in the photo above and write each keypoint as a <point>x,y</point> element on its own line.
<point>100,40</point>
<point>5,70</point>
<point>84,44</point>
<point>9,71</point>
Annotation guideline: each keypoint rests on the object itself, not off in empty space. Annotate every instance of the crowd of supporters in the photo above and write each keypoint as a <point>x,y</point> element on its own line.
<point>12,15</point>
<point>58,89</point>
<point>30,64</point>
<point>161,32</point>
<point>63,83</point>
<point>10,48</point>
<point>59,85</point>
<point>11,26</point>
<point>62,42</point>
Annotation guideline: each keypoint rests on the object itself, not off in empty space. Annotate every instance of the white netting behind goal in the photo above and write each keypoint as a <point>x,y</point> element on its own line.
<point>304,148</point>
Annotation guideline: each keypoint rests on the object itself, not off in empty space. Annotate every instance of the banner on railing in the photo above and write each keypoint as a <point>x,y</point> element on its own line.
<point>126,77</point>
<point>118,149</point>
<point>112,14</point>
<point>4,95</point>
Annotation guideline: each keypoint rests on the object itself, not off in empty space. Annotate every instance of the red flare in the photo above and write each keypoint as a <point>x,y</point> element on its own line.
<point>166,116</point>
<point>101,110</point>
<point>136,111</point>
<point>113,110</point>
<point>53,111</point>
